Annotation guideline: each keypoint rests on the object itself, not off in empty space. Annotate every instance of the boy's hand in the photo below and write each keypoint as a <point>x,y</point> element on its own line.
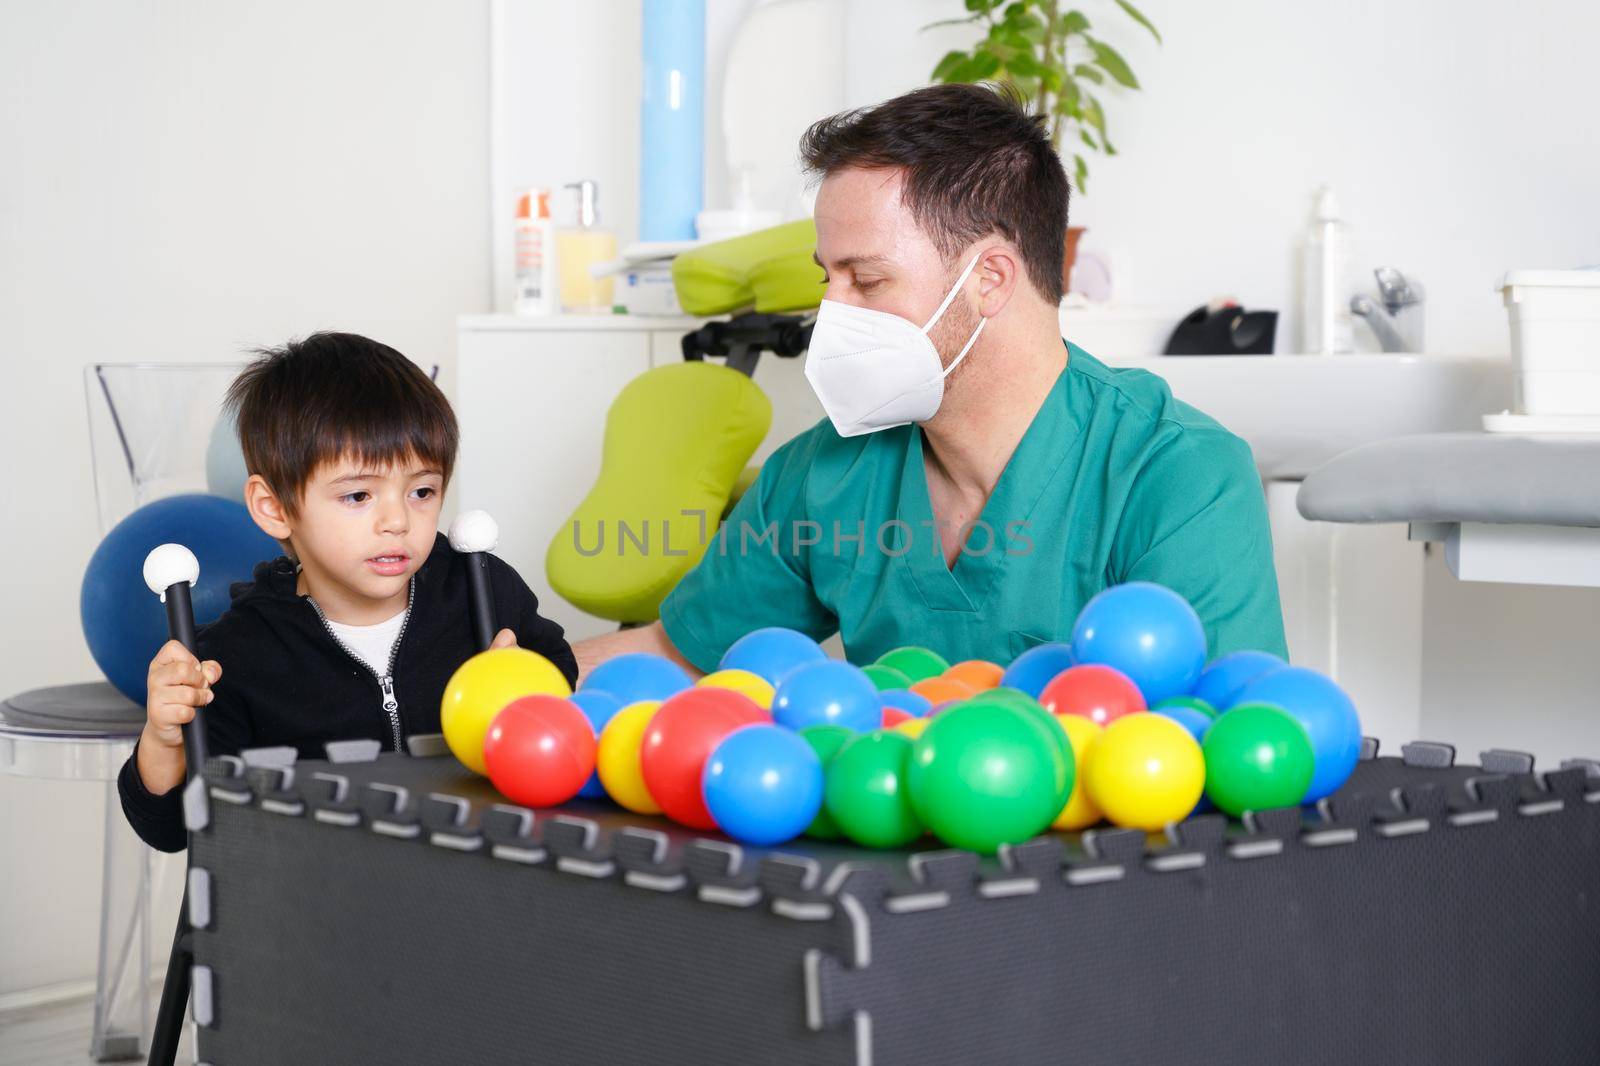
<point>503,639</point>
<point>178,683</point>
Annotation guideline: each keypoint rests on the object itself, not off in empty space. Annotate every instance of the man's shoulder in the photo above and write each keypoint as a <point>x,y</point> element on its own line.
<point>1148,411</point>
<point>821,451</point>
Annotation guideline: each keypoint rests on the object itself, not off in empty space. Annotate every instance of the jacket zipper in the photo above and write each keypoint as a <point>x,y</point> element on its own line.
<point>391,705</point>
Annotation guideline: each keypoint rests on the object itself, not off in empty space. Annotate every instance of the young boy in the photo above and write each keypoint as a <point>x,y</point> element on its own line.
<point>356,629</point>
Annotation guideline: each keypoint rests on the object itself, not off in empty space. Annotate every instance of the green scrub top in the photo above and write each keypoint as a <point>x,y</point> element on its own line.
<point>1115,480</point>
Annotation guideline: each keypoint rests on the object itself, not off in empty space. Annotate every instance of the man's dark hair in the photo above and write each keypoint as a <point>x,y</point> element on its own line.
<point>976,162</point>
<point>333,395</point>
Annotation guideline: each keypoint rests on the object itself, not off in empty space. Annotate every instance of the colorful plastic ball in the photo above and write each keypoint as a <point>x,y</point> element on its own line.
<point>1257,758</point>
<point>1221,681</point>
<point>480,689</point>
<point>866,793</point>
<point>1197,722</point>
<point>906,700</point>
<point>1326,713</point>
<point>756,687</point>
<point>827,693</point>
<point>771,653</point>
<point>943,689</point>
<point>1045,722</point>
<point>983,775</point>
<point>1094,691</point>
<point>893,716</point>
<point>677,743</point>
<point>1146,771</point>
<point>599,707</point>
<point>886,677</point>
<point>539,751</point>
<point>825,740</point>
<point>911,727</point>
<point>918,664</point>
<point>1079,812</point>
<point>617,757</point>
<point>1194,703</point>
<point>638,676</point>
<point>763,784</point>
<point>1035,668</point>
<point>1146,631</point>
<point>976,674</point>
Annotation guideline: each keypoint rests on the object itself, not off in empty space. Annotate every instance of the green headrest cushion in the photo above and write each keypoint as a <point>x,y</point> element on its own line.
<point>677,439</point>
<point>770,270</point>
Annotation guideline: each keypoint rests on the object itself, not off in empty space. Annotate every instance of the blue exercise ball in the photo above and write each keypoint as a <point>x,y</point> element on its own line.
<point>771,653</point>
<point>225,469</point>
<point>1035,668</point>
<point>827,693</point>
<point>913,703</point>
<point>1148,632</point>
<point>638,676</point>
<point>1221,681</point>
<point>599,707</point>
<point>763,784</point>
<point>1328,715</point>
<point>123,621</point>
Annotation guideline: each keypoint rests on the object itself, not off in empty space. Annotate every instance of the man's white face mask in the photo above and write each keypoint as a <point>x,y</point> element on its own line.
<point>874,370</point>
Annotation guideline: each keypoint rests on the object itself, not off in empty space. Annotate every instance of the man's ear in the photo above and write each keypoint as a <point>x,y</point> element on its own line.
<point>999,273</point>
<point>266,508</point>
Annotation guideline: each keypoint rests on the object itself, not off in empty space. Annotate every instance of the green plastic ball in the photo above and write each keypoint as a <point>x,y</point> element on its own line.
<point>1194,702</point>
<point>1018,700</point>
<point>826,740</point>
<point>886,677</point>
<point>866,792</point>
<point>984,774</point>
<point>918,664</point>
<point>1257,757</point>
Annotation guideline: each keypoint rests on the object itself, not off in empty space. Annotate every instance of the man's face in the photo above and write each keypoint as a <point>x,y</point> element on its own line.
<point>368,529</point>
<point>875,255</point>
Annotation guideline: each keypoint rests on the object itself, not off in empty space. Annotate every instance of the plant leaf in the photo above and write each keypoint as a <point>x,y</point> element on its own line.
<point>1110,60</point>
<point>1093,114</point>
<point>983,66</point>
<point>1138,16</point>
<point>1084,70</point>
<point>1081,169</point>
<point>1067,102</point>
<point>1026,84</point>
<point>1072,22</point>
<point>982,7</point>
<point>1024,64</point>
<point>949,66</point>
<point>1087,138</point>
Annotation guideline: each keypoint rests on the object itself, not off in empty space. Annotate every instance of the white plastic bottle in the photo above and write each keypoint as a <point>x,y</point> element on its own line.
<point>1325,299</point>
<point>534,245</point>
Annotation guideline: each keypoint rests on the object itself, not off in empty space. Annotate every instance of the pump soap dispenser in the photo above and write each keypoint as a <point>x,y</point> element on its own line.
<point>581,246</point>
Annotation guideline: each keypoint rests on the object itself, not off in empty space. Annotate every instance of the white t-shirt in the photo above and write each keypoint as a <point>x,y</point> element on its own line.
<point>371,643</point>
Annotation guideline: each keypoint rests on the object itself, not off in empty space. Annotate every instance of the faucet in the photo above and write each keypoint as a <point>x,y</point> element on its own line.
<point>1398,323</point>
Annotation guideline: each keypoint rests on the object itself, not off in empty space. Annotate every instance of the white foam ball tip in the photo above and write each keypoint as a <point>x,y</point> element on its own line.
<point>168,564</point>
<point>474,531</point>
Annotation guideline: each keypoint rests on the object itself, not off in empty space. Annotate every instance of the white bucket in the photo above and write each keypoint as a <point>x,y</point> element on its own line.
<point>1555,340</point>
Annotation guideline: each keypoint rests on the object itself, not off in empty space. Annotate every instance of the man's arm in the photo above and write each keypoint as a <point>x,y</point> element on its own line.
<point>651,638</point>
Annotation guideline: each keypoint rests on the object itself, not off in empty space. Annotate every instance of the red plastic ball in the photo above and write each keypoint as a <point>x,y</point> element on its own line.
<point>678,742</point>
<point>893,716</point>
<point>1100,693</point>
<point>539,751</point>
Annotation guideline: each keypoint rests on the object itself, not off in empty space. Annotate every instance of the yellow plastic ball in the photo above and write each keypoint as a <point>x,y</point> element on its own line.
<point>617,757</point>
<point>1146,770</point>
<point>482,686</point>
<point>912,727</point>
<point>1080,811</point>
<point>756,687</point>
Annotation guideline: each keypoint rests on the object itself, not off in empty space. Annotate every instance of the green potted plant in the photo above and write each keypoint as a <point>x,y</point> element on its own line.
<point>1052,58</point>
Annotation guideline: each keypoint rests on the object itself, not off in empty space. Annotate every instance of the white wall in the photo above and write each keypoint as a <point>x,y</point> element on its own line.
<point>181,181</point>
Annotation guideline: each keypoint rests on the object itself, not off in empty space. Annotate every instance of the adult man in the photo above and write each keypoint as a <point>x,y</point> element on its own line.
<point>977,480</point>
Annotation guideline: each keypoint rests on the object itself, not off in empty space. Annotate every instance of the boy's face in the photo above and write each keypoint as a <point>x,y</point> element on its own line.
<point>362,531</point>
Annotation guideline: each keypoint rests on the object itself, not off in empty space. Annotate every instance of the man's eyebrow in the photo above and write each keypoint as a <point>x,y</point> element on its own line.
<point>852,261</point>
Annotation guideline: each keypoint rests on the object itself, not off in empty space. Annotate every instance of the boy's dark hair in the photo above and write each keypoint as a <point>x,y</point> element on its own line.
<point>976,162</point>
<point>333,395</point>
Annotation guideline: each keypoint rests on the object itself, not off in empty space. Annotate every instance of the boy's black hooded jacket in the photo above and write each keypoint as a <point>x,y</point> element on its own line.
<point>287,681</point>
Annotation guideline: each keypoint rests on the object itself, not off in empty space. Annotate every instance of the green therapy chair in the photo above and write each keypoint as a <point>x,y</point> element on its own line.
<point>678,438</point>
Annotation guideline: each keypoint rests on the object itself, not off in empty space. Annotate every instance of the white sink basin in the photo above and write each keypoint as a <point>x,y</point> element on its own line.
<point>1299,411</point>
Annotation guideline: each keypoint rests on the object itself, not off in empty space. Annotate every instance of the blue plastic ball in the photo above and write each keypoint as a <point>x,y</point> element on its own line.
<point>827,693</point>
<point>1195,721</point>
<point>913,703</point>
<point>763,784</point>
<point>1148,632</point>
<point>638,676</point>
<point>771,653</point>
<point>1328,715</point>
<point>124,623</point>
<point>598,707</point>
<point>1035,668</point>
<point>1221,681</point>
